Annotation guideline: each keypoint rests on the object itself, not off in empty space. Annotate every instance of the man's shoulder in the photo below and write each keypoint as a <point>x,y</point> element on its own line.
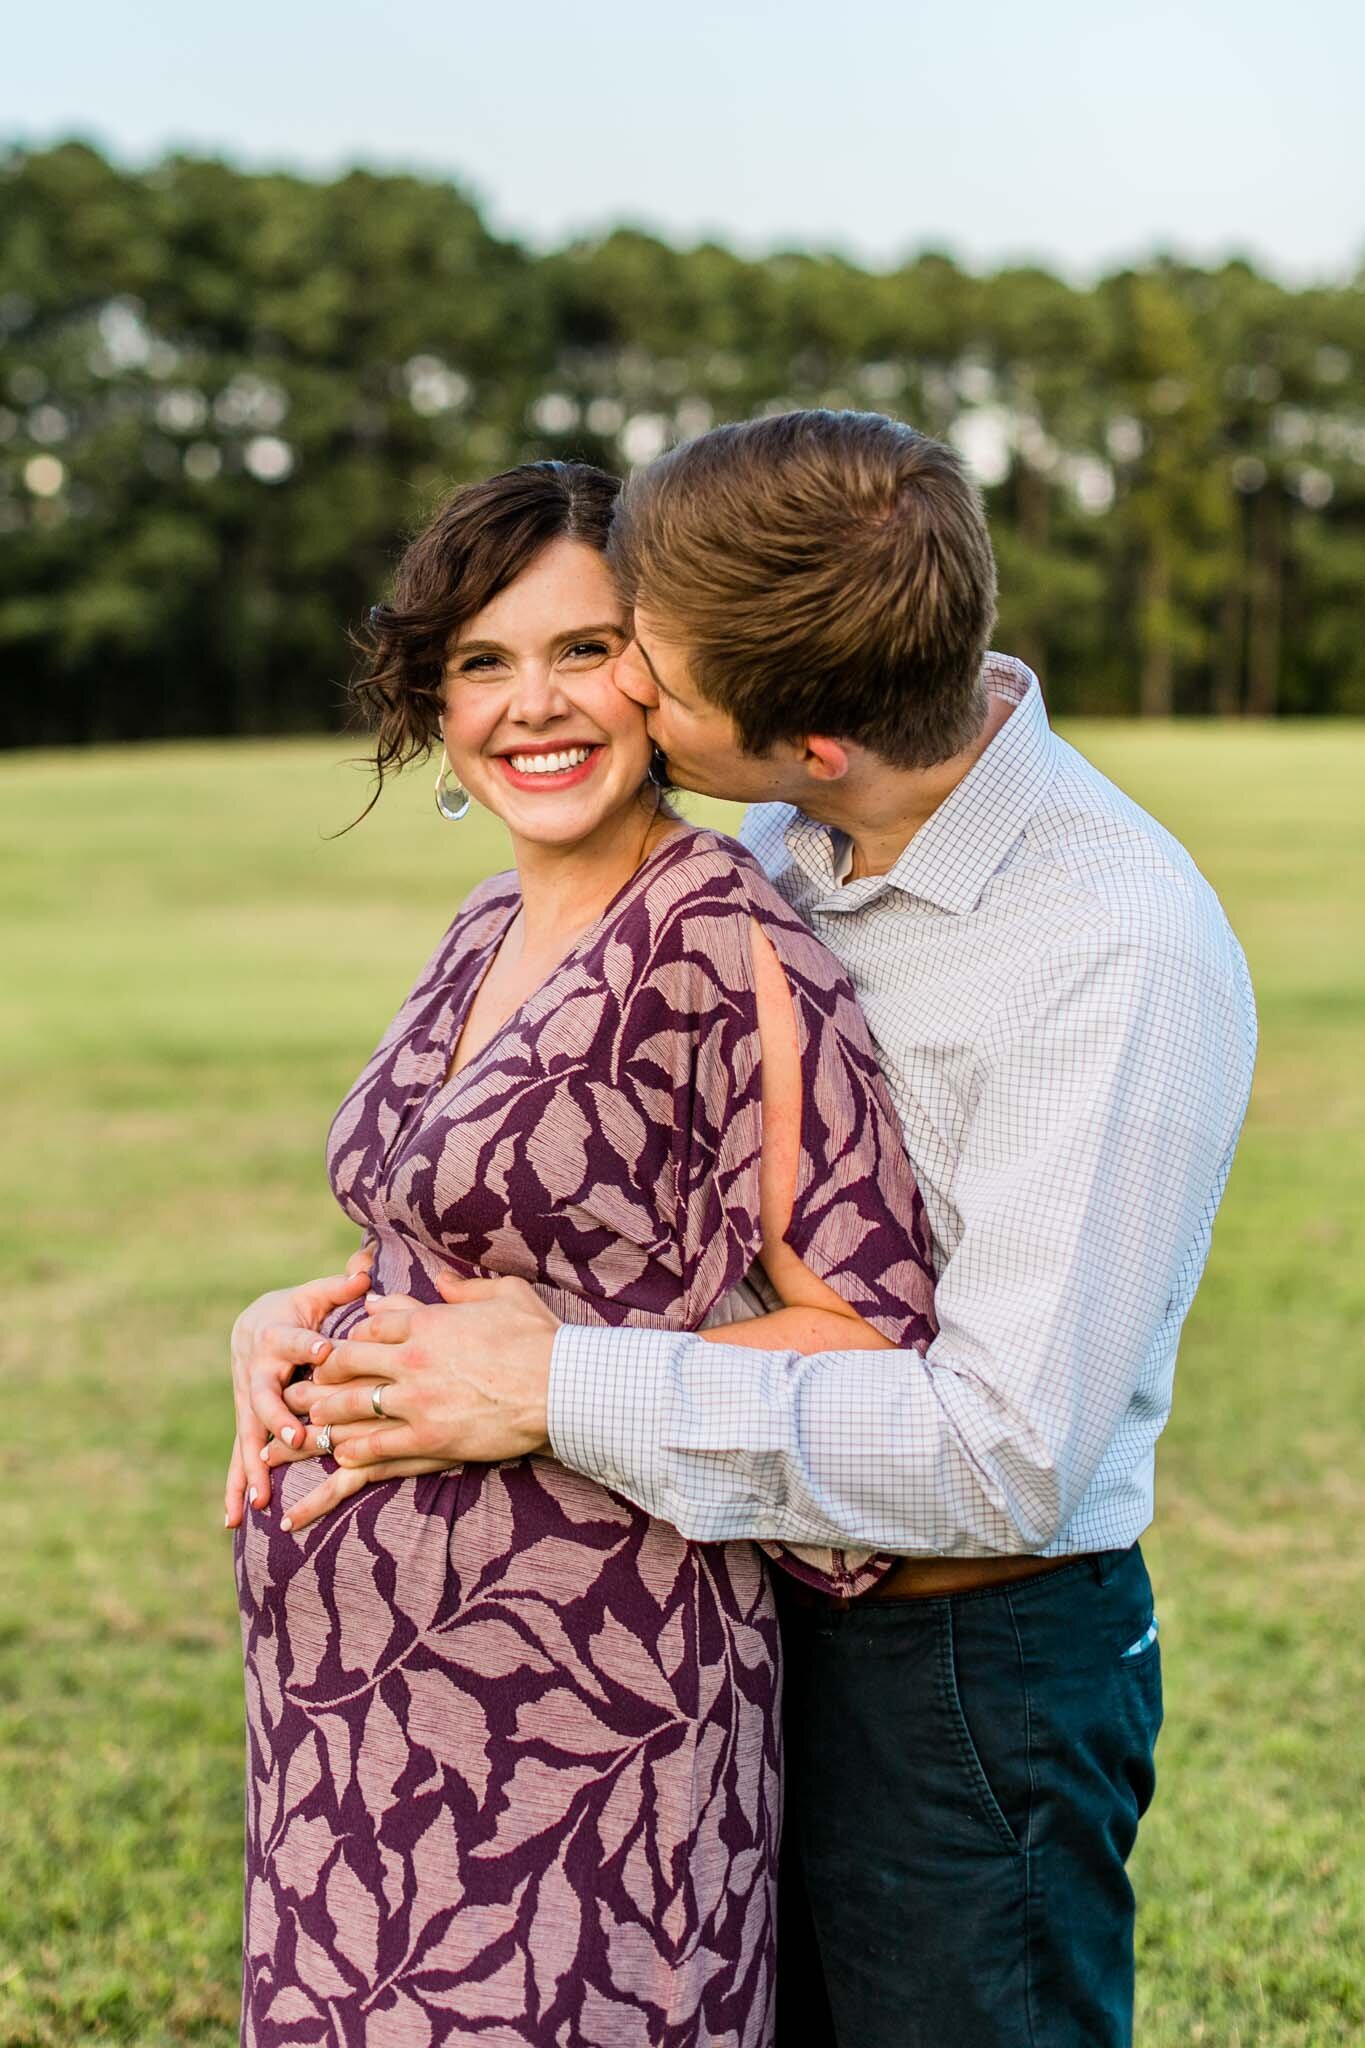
<point>1099,891</point>
<point>1092,841</point>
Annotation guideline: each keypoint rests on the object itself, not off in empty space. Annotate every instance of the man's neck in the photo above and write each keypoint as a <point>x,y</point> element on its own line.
<point>880,808</point>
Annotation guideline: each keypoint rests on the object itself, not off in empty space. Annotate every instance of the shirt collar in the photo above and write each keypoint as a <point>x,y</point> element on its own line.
<point>956,851</point>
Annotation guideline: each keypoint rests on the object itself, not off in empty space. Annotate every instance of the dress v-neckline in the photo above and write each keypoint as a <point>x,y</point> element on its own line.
<point>446,1080</point>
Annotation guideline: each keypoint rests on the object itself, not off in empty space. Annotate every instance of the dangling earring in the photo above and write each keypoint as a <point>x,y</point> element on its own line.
<point>451,800</point>
<point>658,770</point>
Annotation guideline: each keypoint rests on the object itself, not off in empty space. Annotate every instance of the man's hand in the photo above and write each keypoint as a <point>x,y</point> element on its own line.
<point>464,1383</point>
<point>269,1339</point>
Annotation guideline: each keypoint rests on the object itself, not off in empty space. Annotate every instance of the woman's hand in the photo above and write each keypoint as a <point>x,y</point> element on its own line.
<point>340,1485</point>
<point>460,1383</point>
<point>299,1438</point>
<point>466,1381</point>
<point>269,1340</point>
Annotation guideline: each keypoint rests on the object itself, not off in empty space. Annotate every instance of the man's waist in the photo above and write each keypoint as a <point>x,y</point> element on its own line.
<point>938,1578</point>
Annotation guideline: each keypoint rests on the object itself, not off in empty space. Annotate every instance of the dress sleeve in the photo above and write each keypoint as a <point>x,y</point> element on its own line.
<point>689,1067</point>
<point>691,1040</point>
<point>858,1220</point>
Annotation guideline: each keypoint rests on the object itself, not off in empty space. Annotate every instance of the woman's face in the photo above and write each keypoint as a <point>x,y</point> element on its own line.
<point>534,724</point>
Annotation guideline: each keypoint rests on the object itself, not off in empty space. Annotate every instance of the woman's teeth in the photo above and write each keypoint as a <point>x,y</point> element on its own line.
<point>549,764</point>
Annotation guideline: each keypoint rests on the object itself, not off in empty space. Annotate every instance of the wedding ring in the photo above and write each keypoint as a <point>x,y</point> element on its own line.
<point>325,1440</point>
<point>377,1399</point>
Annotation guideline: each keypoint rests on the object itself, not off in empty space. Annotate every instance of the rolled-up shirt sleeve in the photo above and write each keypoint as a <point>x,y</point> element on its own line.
<point>1113,1081</point>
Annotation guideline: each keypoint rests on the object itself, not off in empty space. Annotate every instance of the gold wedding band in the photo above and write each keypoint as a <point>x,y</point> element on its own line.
<point>377,1401</point>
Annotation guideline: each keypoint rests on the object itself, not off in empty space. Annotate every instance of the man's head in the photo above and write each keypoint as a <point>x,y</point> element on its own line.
<point>817,576</point>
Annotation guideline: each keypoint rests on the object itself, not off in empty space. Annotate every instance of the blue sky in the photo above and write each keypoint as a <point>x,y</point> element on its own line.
<point>1078,134</point>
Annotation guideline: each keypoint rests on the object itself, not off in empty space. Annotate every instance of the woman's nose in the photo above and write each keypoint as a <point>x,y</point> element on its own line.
<point>536,697</point>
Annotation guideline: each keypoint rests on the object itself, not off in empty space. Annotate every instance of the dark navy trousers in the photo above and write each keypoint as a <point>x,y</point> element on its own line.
<point>964,1781</point>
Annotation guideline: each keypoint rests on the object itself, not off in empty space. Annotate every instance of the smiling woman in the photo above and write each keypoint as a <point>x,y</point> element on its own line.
<point>533,724</point>
<point>482,539</point>
<point>513,1742</point>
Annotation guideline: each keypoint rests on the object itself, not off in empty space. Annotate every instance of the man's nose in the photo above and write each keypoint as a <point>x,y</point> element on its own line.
<point>633,680</point>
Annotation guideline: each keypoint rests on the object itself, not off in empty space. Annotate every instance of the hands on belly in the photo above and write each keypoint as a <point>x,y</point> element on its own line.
<point>270,1340</point>
<point>414,1388</point>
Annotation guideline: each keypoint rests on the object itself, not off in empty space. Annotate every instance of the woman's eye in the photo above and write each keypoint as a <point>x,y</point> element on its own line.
<point>477,663</point>
<point>583,649</point>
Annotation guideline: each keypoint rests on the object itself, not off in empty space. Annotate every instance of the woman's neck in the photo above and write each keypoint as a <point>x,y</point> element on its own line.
<point>564,889</point>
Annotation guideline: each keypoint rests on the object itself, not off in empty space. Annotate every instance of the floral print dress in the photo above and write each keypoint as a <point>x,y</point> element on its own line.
<point>512,1743</point>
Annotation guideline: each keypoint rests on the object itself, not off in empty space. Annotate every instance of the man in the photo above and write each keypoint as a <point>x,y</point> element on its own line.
<point>1067,1028</point>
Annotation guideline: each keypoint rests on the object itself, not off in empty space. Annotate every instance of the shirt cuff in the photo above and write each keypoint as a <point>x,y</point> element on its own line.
<point>609,1391</point>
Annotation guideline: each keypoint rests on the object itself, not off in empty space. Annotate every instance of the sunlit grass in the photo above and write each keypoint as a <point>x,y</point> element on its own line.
<point>192,976</point>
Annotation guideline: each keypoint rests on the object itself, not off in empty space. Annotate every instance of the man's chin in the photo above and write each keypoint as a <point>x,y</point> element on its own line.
<point>701,781</point>
<point>691,779</point>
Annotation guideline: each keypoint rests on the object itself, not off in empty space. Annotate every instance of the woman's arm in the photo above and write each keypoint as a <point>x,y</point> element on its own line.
<point>813,1317</point>
<point>807,1330</point>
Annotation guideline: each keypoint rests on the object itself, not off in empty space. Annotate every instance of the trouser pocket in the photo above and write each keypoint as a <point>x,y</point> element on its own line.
<point>985,1713</point>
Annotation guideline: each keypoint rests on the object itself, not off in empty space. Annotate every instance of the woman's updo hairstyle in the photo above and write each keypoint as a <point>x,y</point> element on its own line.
<point>483,537</point>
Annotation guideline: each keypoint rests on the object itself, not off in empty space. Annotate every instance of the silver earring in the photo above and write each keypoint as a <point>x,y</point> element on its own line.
<point>658,770</point>
<point>451,800</point>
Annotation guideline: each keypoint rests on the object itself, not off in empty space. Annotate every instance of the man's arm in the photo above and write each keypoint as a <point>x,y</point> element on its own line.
<point>1113,1088</point>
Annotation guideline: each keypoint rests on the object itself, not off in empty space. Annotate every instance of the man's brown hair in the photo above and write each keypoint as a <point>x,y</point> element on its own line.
<point>826,572</point>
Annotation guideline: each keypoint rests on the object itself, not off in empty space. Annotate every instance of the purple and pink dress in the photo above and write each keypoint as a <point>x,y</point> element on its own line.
<point>513,1744</point>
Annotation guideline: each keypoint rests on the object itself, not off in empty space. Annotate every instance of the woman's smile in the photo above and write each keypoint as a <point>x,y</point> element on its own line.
<point>548,768</point>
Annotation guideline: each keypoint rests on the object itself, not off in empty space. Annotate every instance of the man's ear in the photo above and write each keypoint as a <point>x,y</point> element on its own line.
<point>823,760</point>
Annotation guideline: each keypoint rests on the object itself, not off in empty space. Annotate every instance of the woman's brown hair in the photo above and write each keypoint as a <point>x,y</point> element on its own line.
<point>825,572</point>
<point>483,537</point>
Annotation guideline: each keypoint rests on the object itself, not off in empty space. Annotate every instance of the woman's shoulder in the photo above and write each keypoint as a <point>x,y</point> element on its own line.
<point>708,894</point>
<point>484,908</point>
<point>703,896</point>
<point>708,871</point>
<point>478,917</point>
<point>705,877</point>
<point>493,894</point>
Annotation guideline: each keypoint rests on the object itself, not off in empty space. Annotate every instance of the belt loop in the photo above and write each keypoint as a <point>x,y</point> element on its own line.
<point>1105,1563</point>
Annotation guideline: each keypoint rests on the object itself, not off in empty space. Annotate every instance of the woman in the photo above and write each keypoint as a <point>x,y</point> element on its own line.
<point>513,1743</point>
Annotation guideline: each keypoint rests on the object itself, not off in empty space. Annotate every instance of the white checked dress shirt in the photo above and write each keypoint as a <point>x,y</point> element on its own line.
<point>1067,1027</point>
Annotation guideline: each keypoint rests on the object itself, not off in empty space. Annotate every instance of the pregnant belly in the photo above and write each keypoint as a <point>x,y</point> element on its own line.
<point>523,1567</point>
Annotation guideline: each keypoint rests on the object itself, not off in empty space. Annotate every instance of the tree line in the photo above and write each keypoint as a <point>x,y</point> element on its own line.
<point>227,396</point>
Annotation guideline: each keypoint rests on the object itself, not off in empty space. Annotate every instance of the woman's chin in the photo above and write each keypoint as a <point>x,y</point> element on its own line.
<point>562,817</point>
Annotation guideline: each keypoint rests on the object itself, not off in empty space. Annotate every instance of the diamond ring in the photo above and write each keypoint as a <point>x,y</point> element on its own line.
<point>325,1440</point>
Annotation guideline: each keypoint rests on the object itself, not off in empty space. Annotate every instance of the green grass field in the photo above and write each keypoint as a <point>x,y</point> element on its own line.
<point>193,975</point>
